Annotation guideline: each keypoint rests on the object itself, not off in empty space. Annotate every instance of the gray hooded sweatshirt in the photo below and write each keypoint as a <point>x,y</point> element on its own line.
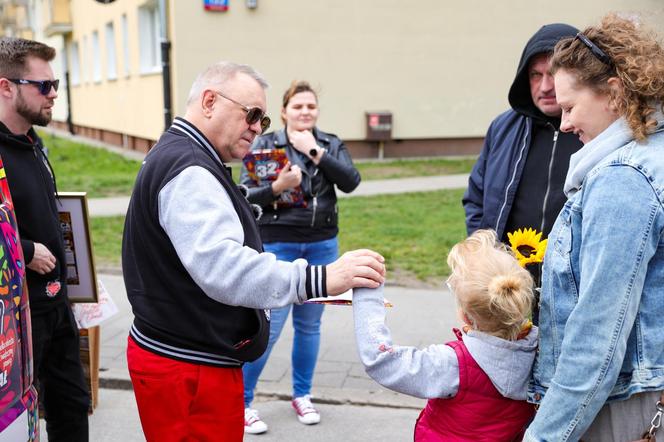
<point>433,372</point>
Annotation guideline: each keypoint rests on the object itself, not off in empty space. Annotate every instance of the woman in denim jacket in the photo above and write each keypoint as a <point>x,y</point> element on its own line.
<point>600,367</point>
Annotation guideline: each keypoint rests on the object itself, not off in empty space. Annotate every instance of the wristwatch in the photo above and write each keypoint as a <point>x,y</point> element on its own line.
<point>313,151</point>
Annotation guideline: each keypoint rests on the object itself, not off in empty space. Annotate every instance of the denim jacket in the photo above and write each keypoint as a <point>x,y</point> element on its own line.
<point>602,300</point>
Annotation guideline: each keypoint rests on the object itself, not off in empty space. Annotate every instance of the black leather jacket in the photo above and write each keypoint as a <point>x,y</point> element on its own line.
<point>335,168</point>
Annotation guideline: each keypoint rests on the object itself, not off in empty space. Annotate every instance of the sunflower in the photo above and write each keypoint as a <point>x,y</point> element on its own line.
<point>527,245</point>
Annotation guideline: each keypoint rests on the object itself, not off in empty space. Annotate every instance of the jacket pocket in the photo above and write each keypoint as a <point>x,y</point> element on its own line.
<point>562,232</point>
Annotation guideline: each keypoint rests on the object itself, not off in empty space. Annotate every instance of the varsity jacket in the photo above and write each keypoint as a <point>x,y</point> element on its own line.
<point>32,186</point>
<point>192,263</point>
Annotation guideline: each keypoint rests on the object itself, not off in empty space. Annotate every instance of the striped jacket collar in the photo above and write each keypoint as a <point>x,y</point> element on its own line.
<point>185,127</point>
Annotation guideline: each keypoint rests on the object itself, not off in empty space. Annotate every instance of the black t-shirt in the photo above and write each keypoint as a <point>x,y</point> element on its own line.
<point>532,206</point>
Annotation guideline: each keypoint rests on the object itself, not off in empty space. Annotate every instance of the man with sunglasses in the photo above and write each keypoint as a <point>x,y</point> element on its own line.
<point>196,275</point>
<point>27,93</point>
<point>517,181</point>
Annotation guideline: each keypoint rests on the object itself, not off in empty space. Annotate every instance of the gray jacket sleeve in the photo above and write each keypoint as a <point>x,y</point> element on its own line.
<point>199,218</point>
<point>429,373</point>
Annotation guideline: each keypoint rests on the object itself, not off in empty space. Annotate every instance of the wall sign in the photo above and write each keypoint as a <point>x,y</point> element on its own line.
<point>215,5</point>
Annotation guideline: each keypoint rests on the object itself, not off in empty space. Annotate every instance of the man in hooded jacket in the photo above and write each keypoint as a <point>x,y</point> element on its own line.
<point>518,179</point>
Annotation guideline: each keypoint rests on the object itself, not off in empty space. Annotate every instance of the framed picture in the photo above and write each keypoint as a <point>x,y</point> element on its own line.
<point>79,261</point>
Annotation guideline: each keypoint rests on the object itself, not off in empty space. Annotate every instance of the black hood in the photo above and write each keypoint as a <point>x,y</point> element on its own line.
<point>543,41</point>
<point>18,141</point>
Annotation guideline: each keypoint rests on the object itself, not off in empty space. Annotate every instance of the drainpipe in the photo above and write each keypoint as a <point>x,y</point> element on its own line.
<point>65,59</point>
<point>70,123</point>
<point>166,65</point>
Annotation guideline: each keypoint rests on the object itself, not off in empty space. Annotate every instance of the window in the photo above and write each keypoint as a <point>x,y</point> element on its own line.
<point>96,58</point>
<point>125,45</point>
<point>86,57</point>
<point>149,33</point>
<point>74,64</point>
<point>111,70</point>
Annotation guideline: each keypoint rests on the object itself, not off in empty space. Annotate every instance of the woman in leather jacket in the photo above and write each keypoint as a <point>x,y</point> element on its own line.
<point>317,162</point>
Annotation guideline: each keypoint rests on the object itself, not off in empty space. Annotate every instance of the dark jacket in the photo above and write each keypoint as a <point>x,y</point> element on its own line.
<point>32,186</point>
<point>495,181</point>
<point>335,168</point>
<point>174,317</point>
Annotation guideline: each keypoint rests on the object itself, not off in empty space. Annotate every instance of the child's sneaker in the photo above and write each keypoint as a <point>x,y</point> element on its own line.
<point>306,413</point>
<point>253,423</point>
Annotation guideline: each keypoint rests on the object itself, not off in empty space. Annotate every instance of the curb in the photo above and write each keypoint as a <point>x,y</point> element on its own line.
<point>117,379</point>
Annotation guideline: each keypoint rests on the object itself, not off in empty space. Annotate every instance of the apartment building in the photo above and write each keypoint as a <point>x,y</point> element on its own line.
<point>440,69</point>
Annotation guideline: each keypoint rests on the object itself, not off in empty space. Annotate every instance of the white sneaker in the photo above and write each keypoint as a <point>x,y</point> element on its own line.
<point>253,423</point>
<point>306,413</point>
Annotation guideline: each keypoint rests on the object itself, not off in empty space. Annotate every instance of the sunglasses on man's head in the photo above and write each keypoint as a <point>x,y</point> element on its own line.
<point>43,85</point>
<point>254,114</point>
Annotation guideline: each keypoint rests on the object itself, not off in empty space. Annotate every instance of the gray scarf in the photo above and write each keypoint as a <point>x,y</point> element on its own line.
<point>614,137</point>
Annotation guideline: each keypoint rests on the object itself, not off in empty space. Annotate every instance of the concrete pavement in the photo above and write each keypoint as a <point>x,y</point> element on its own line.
<point>351,403</point>
<point>118,205</point>
<point>353,407</point>
<point>116,419</point>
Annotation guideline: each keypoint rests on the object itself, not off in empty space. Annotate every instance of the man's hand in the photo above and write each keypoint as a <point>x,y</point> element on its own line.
<point>357,268</point>
<point>43,260</point>
<point>289,177</point>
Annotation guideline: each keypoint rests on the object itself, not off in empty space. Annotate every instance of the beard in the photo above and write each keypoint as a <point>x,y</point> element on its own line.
<point>38,118</point>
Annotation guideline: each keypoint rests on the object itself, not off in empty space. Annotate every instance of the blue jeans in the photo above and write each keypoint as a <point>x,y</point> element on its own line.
<point>306,321</point>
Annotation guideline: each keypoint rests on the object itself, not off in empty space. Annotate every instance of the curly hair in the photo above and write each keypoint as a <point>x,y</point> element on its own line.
<point>14,53</point>
<point>490,287</point>
<point>636,58</point>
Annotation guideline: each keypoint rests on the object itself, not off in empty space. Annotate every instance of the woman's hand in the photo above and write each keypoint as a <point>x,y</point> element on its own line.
<point>289,177</point>
<point>303,141</point>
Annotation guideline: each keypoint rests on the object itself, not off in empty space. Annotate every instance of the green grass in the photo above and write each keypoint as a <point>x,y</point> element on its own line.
<point>106,235</point>
<point>382,170</point>
<point>412,231</point>
<point>82,168</point>
<point>388,169</point>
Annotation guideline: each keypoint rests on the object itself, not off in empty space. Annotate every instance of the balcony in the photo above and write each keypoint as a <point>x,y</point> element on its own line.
<point>13,17</point>
<point>57,17</point>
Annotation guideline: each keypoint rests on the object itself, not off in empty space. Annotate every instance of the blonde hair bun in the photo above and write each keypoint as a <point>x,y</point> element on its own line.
<point>490,286</point>
<point>504,285</point>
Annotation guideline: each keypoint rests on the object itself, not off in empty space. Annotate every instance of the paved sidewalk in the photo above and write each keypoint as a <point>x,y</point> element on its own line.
<point>354,407</point>
<point>419,318</point>
<point>118,205</point>
<point>116,419</point>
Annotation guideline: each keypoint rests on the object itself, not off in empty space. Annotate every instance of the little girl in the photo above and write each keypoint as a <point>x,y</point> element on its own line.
<point>476,385</point>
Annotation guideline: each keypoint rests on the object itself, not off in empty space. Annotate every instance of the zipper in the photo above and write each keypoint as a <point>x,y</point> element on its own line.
<point>41,164</point>
<point>313,218</point>
<point>509,184</point>
<point>548,180</point>
<point>314,195</point>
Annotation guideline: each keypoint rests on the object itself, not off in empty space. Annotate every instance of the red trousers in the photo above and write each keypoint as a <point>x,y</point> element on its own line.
<point>181,401</point>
